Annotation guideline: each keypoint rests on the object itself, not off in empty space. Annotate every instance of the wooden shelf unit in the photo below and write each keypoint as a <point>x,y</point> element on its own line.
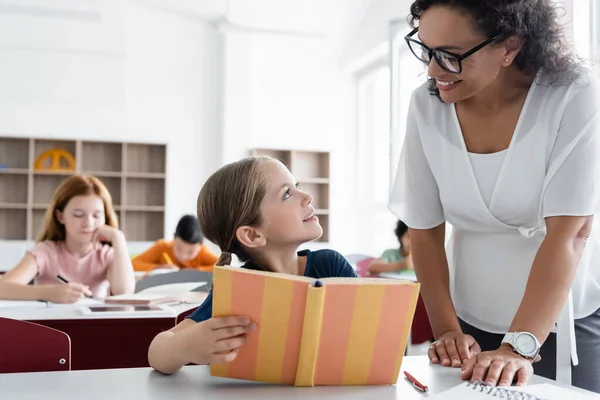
<point>134,173</point>
<point>311,170</point>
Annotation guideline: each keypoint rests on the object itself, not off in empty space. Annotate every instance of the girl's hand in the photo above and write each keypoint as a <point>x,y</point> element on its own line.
<point>216,340</point>
<point>453,348</point>
<point>499,367</point>
<point>106,233</point>
<point>68,293</point>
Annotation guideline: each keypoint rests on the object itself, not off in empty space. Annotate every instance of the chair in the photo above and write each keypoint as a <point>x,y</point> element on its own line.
<point>353,259</point>
<point>362,267</point>
<point>186,275</point>
<point>29,347</point>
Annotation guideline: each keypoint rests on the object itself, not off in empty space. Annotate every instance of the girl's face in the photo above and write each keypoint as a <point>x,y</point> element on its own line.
<point>81,217</point>
<point>287,210</point>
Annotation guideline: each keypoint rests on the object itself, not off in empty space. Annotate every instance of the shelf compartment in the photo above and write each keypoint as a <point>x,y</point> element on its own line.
<point>13,224</point>
<point>40,146</point>
<point>144,192</point>
<point>309,165</point>
<point>144,225</point>
<point>13,188</point>
<point>101,156</point>
<point>44,187</point>
<point>14,153</point>
<point>145,158</point>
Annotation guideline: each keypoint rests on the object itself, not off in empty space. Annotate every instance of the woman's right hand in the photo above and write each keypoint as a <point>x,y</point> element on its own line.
<point>67,293</point>
<point>453,348</point>
<point>216,340</point>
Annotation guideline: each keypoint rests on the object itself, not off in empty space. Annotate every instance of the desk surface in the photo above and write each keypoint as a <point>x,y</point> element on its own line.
<point>195,382</point>
<point>40,311</point>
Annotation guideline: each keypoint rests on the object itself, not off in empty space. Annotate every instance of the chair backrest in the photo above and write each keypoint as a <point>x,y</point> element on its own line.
<point>29,347</point>
<point>186,275</point>
<point>362,267</point>
<point>355,258</point>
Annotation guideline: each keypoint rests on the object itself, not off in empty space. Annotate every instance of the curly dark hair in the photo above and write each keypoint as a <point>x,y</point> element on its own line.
<point>535,22</point>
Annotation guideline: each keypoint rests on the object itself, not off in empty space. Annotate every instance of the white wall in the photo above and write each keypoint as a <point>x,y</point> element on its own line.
<point>115,70</point>
<point>289,92</point>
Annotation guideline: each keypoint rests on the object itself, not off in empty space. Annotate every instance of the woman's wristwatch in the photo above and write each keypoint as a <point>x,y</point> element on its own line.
<point>523,343</point>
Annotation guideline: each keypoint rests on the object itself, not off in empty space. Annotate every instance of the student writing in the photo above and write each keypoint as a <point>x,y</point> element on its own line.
<point>186,250</point>
<point>80,242</point>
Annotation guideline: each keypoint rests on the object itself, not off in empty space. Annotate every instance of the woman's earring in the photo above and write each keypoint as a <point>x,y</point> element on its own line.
<point>506,60</point>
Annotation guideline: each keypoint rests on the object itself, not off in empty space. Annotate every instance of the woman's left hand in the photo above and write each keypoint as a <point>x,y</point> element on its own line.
<point>499,367</point>
<point>106,233</point>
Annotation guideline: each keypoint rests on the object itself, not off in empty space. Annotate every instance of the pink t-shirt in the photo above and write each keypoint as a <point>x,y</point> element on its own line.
<point>52,258</point>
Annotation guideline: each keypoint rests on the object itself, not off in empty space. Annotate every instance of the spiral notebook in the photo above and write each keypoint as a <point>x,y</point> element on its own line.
<point>478,390</point>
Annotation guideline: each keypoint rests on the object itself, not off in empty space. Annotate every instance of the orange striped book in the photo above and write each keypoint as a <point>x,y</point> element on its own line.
<point>332,331</point>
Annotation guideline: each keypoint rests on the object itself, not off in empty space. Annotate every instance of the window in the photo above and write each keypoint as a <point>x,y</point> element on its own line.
<point>375,222</point>
<point>586,32</point>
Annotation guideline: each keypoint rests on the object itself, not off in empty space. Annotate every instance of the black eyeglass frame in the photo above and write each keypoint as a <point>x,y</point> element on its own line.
<point>433,52</point>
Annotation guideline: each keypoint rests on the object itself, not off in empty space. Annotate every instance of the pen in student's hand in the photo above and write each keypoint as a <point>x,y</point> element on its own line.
<point>63,280</point>
<point>167,258</point>
<point>416,383</point>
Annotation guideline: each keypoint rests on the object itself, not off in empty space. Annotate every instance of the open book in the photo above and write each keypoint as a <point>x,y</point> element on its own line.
<point>332,331</point>
<point>477,390</point>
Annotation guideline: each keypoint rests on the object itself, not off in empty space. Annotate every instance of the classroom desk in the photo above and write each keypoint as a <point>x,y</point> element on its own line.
<point>98,341</point>
<point>195,382</point>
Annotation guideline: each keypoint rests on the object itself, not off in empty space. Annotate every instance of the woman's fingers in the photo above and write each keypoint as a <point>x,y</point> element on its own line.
<point>452,351</point>
<point>432,354</point>
<point>462,346</point>
<point>440,349</point>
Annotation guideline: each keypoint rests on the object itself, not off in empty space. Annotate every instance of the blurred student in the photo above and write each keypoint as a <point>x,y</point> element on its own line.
<point>184,251</point>
<point>396,259</point>
<point>80,251</point>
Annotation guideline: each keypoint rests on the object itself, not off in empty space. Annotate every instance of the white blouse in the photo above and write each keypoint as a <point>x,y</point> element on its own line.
<point>551,168</point>
<point>486,168</point>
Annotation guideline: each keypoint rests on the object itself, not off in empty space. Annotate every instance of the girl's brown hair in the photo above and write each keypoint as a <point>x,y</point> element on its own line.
<point>229,199</point>
<point>76,185</point>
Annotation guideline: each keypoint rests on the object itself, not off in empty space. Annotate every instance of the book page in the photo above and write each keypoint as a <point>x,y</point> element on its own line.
<point>551,392</point>
<point>172,289</point>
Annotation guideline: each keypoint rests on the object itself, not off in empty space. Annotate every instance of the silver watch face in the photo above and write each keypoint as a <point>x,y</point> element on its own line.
<point>525,343</point>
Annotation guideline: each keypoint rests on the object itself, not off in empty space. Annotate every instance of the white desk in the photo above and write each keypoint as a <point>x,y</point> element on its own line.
<point>195,382</point>
<point>103,341</point>
<point>40,311</point>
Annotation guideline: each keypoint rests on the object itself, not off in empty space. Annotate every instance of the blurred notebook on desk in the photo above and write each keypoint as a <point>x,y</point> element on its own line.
<point>331,331</point>
<point>162,294</point>
<point>477,391</point>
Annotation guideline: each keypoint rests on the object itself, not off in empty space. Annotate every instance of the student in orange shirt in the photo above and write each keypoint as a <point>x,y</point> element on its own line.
<point>184,251</point>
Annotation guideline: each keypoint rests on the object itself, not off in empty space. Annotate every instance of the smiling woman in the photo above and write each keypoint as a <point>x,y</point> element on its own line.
<point>503,142</point>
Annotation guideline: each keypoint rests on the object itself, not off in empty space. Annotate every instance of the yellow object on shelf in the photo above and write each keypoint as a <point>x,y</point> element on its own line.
<point>55,156</point>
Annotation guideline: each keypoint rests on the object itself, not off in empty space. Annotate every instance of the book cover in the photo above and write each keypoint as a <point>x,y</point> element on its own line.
<point>342,331</point>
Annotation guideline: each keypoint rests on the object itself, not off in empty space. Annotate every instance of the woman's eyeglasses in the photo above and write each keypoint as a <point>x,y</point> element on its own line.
<point>450,62</point>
